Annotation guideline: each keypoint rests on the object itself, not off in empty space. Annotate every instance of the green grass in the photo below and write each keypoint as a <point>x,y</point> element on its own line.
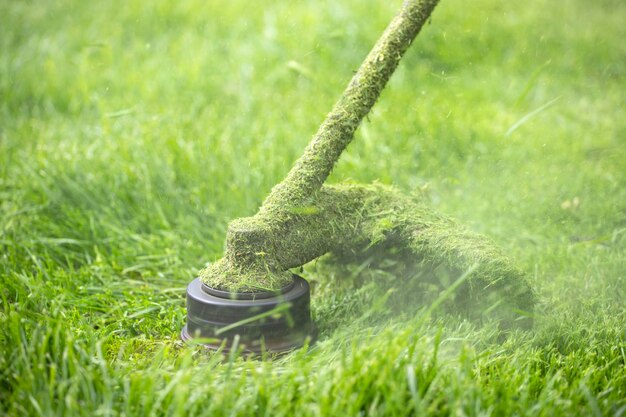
<point>132,132</point>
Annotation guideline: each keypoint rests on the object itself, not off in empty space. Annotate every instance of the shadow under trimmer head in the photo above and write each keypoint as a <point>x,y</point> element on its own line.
<point>250,297</point>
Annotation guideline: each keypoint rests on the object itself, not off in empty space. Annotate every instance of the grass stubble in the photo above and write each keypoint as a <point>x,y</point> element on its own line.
<point>130,136</point>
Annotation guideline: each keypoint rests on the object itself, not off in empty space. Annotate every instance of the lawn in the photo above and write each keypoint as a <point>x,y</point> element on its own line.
<point>132,132</point>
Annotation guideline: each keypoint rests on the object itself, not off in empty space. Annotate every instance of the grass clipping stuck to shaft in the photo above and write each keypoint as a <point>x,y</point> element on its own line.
<point>302,220</point>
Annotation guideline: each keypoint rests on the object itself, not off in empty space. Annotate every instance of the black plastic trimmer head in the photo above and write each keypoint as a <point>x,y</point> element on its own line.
<point>263,321</point>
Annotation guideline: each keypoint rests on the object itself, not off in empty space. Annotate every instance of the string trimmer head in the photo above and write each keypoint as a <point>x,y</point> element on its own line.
<point>250,297</point>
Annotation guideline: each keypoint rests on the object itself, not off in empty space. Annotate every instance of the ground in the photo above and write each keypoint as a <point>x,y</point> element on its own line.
<point>131,133</point>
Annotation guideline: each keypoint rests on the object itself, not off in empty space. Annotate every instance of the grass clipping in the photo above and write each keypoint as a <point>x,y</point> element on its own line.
<point>302,219</point>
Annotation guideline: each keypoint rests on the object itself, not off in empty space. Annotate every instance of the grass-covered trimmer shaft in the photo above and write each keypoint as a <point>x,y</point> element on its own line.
<point>302,219</point>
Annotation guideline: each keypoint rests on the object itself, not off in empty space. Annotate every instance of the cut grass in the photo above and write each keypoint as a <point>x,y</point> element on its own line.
<point>130,135</point>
